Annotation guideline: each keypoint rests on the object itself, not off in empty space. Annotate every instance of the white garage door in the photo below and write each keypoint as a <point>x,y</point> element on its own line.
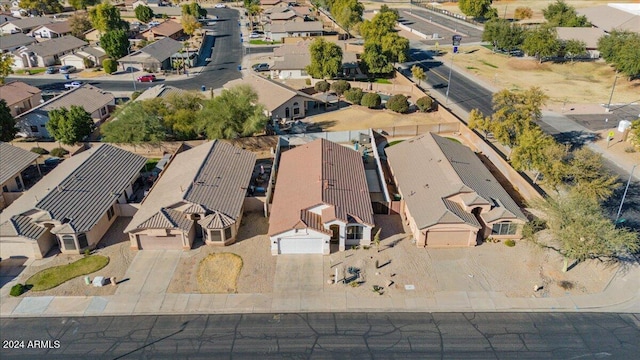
<point>9,249</point>
<point>301,246</point>
<point>172,242</point>
<point>448,238</point>
<point>78,63</point>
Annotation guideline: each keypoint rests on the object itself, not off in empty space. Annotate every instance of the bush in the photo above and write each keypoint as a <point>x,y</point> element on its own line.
<point>398,103</point>
<point>322,86</point>
<point>17,290</point>
<point>510,243</point>
<point>424,103</point>
<point>135,95</point>
<point>339,87</point>
<point>88,63</point>
<point>109,66</point>
<point>354,95</point>
<point>371,100</point>
<point>39,150</point>
<point>307,82</point>
<point>59,152</point>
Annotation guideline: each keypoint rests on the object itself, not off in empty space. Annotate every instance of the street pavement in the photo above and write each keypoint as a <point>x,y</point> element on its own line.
<point>322,335</point>
<point>429,23</point>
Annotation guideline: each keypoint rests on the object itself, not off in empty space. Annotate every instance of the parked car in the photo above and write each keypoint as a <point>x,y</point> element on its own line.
<point>73,85</point>
<point>255,35</point>
<point>153,23</point>
<point>67,69</point>
<point>220,6</point>
<point>51,70</point>
<point>261,67</point>
<point>147,78</point>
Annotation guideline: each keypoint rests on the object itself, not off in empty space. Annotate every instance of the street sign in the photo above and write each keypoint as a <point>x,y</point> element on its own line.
<point>456,40</point>
<point>455,49</point>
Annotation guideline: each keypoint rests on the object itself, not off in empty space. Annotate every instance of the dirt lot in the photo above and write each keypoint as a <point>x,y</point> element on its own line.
<point>358,117</point>
<point>488,267</point>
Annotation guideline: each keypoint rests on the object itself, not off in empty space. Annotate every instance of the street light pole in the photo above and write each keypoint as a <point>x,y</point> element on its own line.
<point>446,101</point>
<point>133,78</point>
<point>611,96</point>
<point>624,195</point>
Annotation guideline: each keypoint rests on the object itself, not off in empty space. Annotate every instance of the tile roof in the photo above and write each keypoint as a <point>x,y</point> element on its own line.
<point>60,27</point>
<point>80,190</point>
<point>430,170</point>
<point>14,160</point>
<point>161,90</point>
<point>166,28</point>
<point>302,26</point>
<point>609,18</point>
<point>168,219</point>
<point>214,175</point>
<point>13,41</point>
<point>87,96</point>
<point>270,93</point>
<point>320,172</point>
<point>217,220</point>
<point>29,23</point>
<point>162,49</point>
<point>20,225</point>
<point>284,15</point>
<point>57,45</point>
<point>300,47</point>
<point>17,91</point>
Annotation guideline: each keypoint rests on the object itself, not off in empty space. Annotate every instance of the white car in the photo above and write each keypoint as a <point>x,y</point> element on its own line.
<point>220,6</point>
<point>73,85</point>
<point>255,36</point>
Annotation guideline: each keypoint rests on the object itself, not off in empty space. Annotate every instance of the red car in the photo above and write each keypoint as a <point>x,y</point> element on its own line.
<point>147,78</point>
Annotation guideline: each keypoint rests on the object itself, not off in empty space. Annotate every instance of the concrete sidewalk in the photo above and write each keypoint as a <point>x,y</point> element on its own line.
<point>622,294</point>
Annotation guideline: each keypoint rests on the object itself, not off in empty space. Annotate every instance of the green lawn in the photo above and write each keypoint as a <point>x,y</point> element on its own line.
<point>151,163</point>
<point>31,71</point>
<point>382,81</point>
<point>52,277</point>
<point>262,42</point>
<point>393,143</point>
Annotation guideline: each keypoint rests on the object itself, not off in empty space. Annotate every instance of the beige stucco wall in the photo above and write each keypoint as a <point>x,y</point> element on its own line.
<point>281,110</point>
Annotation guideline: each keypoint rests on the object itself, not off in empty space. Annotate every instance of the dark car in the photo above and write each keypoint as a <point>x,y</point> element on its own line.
<point>261,67</point>
<point>51,70</point>
<point>147,78</point>
<point>67,69</point>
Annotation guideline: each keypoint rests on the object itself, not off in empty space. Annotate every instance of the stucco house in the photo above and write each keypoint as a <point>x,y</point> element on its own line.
<point>167,28</point>
<point>588,35</point>
<point>291,61</point>
<point>24,25</point>
<point>13,42</point>
<point>321,198</point>
<point>95,101</point>
<point>449,198</point>
<point>73,206</point>
<point>53,30</point>
<point>14,161</point>
<point>20,96</point>
<point>153,57</point>
<point>77,59</point>
<point>279,31</point>
<point>200,194</point>
<point>613,16</point>
<point>280,101</point>
<point>46,53</point>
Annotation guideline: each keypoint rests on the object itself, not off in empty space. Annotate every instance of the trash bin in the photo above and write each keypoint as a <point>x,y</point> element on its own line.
<point>239,67</point>
<point>203,88</point>
<point>87,280</point>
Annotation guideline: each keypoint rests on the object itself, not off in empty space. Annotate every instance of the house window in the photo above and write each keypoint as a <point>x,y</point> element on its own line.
<point>110,213</point>
<point>296,111</point>
<point>82,240</point>
<point>505,228</point>
<point>103,111</point>
<point>354,232</point>
<point>5,188</point>
<point>34,128</point>
<point>69,242</point>
<point>216,235</point>
<point>227,233</point>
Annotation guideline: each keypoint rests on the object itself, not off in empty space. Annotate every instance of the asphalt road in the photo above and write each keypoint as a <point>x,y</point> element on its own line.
<point>432,23</point>
<point>226,55</point>
<point>362,335</point>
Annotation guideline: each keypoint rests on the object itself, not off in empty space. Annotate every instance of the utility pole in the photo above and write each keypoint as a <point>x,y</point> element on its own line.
<point>611,96</point>
<point>624,195</point>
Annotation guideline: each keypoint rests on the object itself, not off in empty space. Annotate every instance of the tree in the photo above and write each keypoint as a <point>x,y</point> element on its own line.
<point>354,95</point>
<point>581,231</point>
<point>555,168</point>
<point>635,129</point>
<point>398,103</point>
<point>339,87</point>
<point>79,24</point>
<point>477,121</point>
<point>234,113</point>
<point>621,49</point>
<point>383,22</point>
<point>143,13</point>
<point>371,100</point>
<point>8,129</point>
<point>106,17</point>
<point>42,6</point>
<point>425,103</point>
<point>480,9</point>
<point>395,47</point>
<point>528,155</point>
<point>109,66</point>
<point>374,60</point>
<point>561,14</point>
<point>326,59</point>
<point>523,12</point>
<point>382,45</point>
<point>82,4</point>
<point>194,10</point>
<point>6,61</point>
<point>133,125</point>
<point>323,87</point>
<point>589,176</point>
<point>115,43</point>
<point>418,73</point>
<point>376,239</point>
<point>503,34</point>
<point>541,42</point>
<point>190,24</point>
<point>177,114</point>
<point>514,113</point>
<point>69,126</point>
<point>574,48</point>
<point>347,12</point>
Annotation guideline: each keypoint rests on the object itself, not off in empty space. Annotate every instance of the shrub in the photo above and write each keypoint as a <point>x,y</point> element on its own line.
<point>307,82</point>
<point>510,243</point>
<point>354,95</point>
<point>17,290</point>
<point>88,63</point>
<point>59,152</point>
<point>371,100</point>
<point>135,95</point>
<point>398,103</point>
<point>425,103</point>
<point>322,86</point>
<point>39,150</point>
<point>109,66</point>
<point>340,86</point>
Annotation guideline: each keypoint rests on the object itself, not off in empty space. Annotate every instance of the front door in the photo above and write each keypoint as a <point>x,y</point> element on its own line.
<point>335,233</point>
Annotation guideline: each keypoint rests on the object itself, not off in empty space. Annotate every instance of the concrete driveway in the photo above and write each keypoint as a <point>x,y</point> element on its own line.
<point>298,273</point>
<point>150,272</point>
